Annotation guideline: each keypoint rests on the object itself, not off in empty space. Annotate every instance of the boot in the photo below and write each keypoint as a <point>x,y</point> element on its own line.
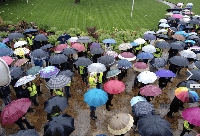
<point>107,108</point>
<point>92,115</point>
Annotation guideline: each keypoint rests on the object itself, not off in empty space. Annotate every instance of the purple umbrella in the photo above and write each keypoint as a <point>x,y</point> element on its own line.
<point>95,45</point>
<point>149,37</point>
<point>49,71</point>
<point>165,73</point>
<point>5,40</point>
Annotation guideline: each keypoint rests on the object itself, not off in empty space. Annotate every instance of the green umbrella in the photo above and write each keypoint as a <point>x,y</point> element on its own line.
<point>34,70</point>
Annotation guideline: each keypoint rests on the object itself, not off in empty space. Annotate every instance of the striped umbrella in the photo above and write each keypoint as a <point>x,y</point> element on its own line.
<point>58,82</point>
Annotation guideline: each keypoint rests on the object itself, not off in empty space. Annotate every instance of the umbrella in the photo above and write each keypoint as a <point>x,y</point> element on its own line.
<point>162,45</point>
<point>124,64</point>
<point>38,54</point>
<point>97,51</point>
<point>137,99</point>
<point>95,97</point>
<point>5,40</point>
<point>40,37</point>
<point>106,60</point>
<point>20,62</point>
<point>79,47</point>
<point>127,55</point>
<point>16,72</point>
<point>163,21</point>
<point>120,123</point>
<point>113,73</point>
<point>179,16</point>
<point>193,37</point>
<point>73,39</point>
<point>162,36</point>
<point>7,59</point>
<point>67,73</point>
<point>49,71</point>
<point>112,53</point>
<point>124,46</point>
<point>177,46</point>
<point>182,33</point>
<point>59,48</point>
<point>28,132</point>
<point>195,74</point>
<point>149,32</point>
<point>140,41</point>
<point>34,70</point>
<point>186,95</point>
<point>161,31</point>
<point>183,22</point>
<point>187,54</point>
<point>58,82</point>
<point>114,87</point>
<point>142,108</point>
<point>165,73</point>
<point>21,51</point>
<point>158,62</point>
<point>6,52</point>
<point>190,41</point>
<point>19,44</point>
<point>111,41</point>
<point>147,77</point>
<point>134,44</point>
<point>14,110</point>
<point>65,36</point>
<point>30,31</point>
<point>197,64</point>
<point>62,126</point>
<point>96,68</point>
<point>179,61</point>
<point>149,48</point>
<point>140,66</point>
<point>58,59</point>
<point>150,90</point>
<point>84,39</point>
<point>145,55</point>
<point>164,25</point>
<point>55,101</point>
<point>24,80</point>
<point>3,45</point>
<point>15,36</point>
<point>95,45</point>
<point>194,21</point>
<point>192,115</point>
<point>82,61</point>
<point>187,83</point>
<point>68,51</point>
<point>46,46</point>
<point>154,125</point>
<point>178,37</point>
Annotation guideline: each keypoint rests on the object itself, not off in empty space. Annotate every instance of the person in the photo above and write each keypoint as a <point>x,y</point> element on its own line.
<point>187,127</point>
<point>22,120</point>
<point>108,103</point>
<point>58,92</point>
<point>92,80</point>
<point>149,98</point>
<point>5,94</point>
<point>38,62</point>
<point>33,92</point>
<point>30,41</point>
<point>99,80</point>
<point>37,81</point>
<point>163,81</point>
<point>67,89</point>
<point>158,53</point>
<point>56,111</point>
<point>83,72</point>
<point>92,112</point>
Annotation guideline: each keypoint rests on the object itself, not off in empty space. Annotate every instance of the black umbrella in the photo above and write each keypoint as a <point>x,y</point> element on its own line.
<point>158,62</point>
<point>194,21</point>
<point>28,132</point>
<point>149,37</point>
<point>162,45</point>
<point>179,61</point>
<point>106,60</point>
<point>195,74</point>
<point>40,37</point>
<point>162,36</point>
<point>68,51</point>
<point>46,46</point>
<point>142,108</point>
<point>59,126</point>
<point>65,36</point>
<point>53,101</point>
<point>187,84</point>
<point>97,51</point>
<point>182,22</point>
<point>82,61</point>
<point>16,72</point>
<point>189,27</point>
<point>192,37</point>
<point>175,9</point>
<point>84,39</point>
<point>30,31</point>
<point>6,52</point>
<point>176,45</point>
<point>38,54</point>
<point>173,29</point>
<point>58,59</point>
<point>197,64</point>
<point>66,73</point>
<point>15,36</point>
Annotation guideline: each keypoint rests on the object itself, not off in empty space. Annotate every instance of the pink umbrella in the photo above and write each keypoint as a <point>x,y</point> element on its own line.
<point>192,115</point>
<point>127,55</point>
<point>114,87</point>
<point>7,59</point>
<point>177,16</point>
<point>195,47</point>
<point>60,48</point>
<point>140,66</point>
<point>78,47</point>
<point>150,90</point>
<point>20,62</point>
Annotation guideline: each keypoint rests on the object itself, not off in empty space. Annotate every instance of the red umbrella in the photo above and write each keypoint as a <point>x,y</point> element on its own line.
<point>150,90</point>
<point>192,115</point>
<point>114,87</point>
<point>13,111</point>
<point>20,62</point>
<point>7,59</point>
<point>140,66</point>
<point>60,47</point>
<point>78,47</point>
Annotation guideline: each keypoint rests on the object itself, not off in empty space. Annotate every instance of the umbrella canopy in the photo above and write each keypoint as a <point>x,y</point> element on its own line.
<point>97,51</point>
<point>145,55</point>
<point>165,73</point>
<point>24,80</point>
<point>106,60</point>
<point>127,55</point>
<point>150,90</point>
<point>6,52</point>
<point>3,45</point>
<point>58,59</point>
<point>34,70</point>
<point>177,45</point>
<point>20,62</point>
<point>62,126</point>
<point>142,108</point>
<point>21,51</point>
<point>134,44</point>
<point>19,44</point>
<point>186,95</point>
<point>137,99</point>
<point>15,36</point>
<point>194,21</point>
<point>41,37</point>
<point>179,61</point>
<point>178,16</point>
<point>140,66</point>
<point>149,48</point>
<point>59,48</point>
<point>197,64</point>
<point>83,61</point>
<point>112,53</point>
<point>154,125</point>
<point>49,71</point>
<point>30,31</point>
<point>110,41</point>
<point>79,47</point>
<point>95,97</point>
<point>38,54</point>
<point>149,37</point>
<point>187,83</point>
<point>120,123</point>
<point>64,36</point>
<point>16,72</point>
<point>158,62</point>
<point>161,31</point>
<point>46,46</point>
<point>55,101</point>
<point>84,39</point>
<point>96,67</point>
<point>195,74</point>
<point>28,132</point>
<point>147,77</point>
<point>187,54</point>
<point>192,115</point>
<point>178,37</point>
<point>67,73</point>
<point>7,59</point>
<point>140,41</point>
<point>113,73</point>
<point>124,46</point>
<point>114,87</point>
<point>68,51</point>
<point>164,25</point>
<point>149,32</point>
<point>95,45</point>
<point>14,110</point>
<point>124,64</point>
<point>162,45</point>
<point>73,39</point>
<point>58,82</point>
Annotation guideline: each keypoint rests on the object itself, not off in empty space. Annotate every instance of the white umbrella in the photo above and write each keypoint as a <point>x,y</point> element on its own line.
<point>189,4</point>
<point>169,14</point>
<point>73,39</point>
<point>140,41</point>
<point>149,32</point>
<point>149,48</point>
<point>129,59</point>
<point>192,33</point>
<point>180,4</point>
<point>147,77</point>
<point>124,46</point>
<point>96,68</point>
<point>161,31</point>
<point>164,25</point>
<point>163,21</point>
<point>187,54</point>
<point>198,56</point>
<point>19,44</point>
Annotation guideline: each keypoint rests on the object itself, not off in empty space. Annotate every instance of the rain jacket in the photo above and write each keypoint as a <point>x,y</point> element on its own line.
<point>30,40</point>
<point>158,53</point>
<point>187,126</point>
<point>32,90</point>
<point>100,78</point>
<point>69,84</point>
<point>81,70</point>
<point>58,92</point>
<point>4,91</point>
<point>92,82</point>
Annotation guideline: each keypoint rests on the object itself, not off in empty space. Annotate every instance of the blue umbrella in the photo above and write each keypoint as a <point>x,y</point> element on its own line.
<point>111,41</point>
<point>34,70</point>
<point>165,73</point>
<point>145,55</point>
<point>136,99</point>
<point>182,33</point>
<point>2,45</point>
<point>124,64</point>
<point>65,36</point>
<point>190,41</point>
<point>30,30</point>
<point>113,73</point>
<point>6,52</point>
<point>95,97</point>
<point>134,44</point>
<point>95,45</point>
<point>149,37</point>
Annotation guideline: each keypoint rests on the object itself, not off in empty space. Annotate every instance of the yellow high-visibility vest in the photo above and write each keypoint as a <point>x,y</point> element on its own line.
<point>139,47</point>
<point>81,68</point>
<point>32,90</point>
<point>69,84</point>
<point>30,40</point>
<point>92,82</point>
<point>55,114</point>
<point>186,125</point>
<point>58,92</point>
<point>100,77</point>
<point>158,55</point>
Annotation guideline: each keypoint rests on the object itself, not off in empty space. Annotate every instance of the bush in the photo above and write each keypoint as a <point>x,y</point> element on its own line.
<point>3,34</point>
<point>74,31</point>
<point>7,23</point>
<point>44,27</point>
<point>52,39</point>
<point>52,30</point>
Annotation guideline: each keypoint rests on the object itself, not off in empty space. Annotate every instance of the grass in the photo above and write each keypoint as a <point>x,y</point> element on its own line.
<point>104,14</point>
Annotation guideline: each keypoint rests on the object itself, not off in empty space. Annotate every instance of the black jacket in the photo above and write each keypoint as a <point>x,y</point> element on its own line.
<point>4,91</point>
